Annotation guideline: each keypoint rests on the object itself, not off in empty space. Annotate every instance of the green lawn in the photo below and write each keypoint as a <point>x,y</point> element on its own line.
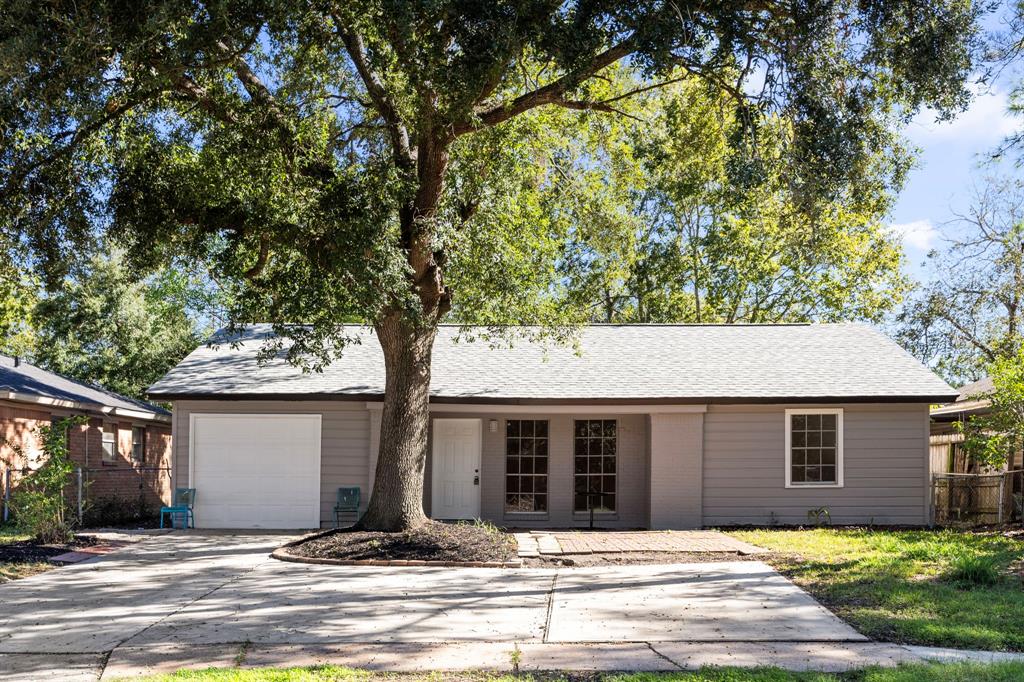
<point>1000,672</point>
<point>903,586</point>
<point>11,570</point>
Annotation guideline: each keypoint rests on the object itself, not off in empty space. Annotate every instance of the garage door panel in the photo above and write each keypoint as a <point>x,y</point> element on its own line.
<point>256,471</point>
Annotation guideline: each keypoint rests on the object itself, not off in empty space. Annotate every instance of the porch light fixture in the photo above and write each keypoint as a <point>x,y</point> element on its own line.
<point>492,425</point>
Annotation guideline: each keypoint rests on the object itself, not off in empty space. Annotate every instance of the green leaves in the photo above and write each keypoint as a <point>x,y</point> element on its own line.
<point>992,437</point>
<point>331,162</point>
<point>104,327</point>
<point>716,230</point>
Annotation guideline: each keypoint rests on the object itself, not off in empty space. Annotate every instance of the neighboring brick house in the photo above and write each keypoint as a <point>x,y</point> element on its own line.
<point>124,450</point>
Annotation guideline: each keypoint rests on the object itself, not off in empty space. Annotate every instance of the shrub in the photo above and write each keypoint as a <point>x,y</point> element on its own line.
<point>974,570</point>
<point>39,505</point>
<point>112,510</point>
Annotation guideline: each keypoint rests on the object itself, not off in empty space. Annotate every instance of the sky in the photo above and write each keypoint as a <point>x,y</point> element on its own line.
<point>952,162</point>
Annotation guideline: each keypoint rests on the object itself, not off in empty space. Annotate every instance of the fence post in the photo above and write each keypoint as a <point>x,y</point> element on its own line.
<point>7,493</point>
<point>999,515</point>
<point>78,475</point>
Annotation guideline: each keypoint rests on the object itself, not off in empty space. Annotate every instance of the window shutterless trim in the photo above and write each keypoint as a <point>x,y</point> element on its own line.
<point>838,412</point>
<point>115,432</point>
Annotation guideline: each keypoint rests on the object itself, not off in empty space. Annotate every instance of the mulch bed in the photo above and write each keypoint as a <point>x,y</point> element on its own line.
<point>29,551</point>
<point>433,541</point>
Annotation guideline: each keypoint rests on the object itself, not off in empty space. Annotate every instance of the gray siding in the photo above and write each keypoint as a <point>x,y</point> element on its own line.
<point>345,440</point>
<point>631,467</point>
<point>740,473</point>
<point>675,445</point>
<point>886,467</point>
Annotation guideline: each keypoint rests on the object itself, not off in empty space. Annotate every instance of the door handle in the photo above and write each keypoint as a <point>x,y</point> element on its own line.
<point>476,480</point>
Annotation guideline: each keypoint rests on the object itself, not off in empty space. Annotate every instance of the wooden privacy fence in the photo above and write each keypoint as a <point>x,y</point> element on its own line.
<point>975,499</point>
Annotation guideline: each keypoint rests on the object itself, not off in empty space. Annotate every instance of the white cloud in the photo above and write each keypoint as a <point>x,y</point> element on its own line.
<point>920,234</point>
<point>987,119</point>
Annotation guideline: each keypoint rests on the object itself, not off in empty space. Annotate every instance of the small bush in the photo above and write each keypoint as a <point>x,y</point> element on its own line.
<point>974,570</point>
<point>112,510</point>
<point>40,508</point>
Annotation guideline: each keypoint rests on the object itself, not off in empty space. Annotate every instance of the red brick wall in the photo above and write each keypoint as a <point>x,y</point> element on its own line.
<point>18,426</point>
<point>122,477</point>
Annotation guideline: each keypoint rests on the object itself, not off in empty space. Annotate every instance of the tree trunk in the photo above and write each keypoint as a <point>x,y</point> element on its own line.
<point>397,500</point>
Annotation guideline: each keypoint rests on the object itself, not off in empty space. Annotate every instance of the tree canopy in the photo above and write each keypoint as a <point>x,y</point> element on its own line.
<point>658,233</point>
<point>103,326</point>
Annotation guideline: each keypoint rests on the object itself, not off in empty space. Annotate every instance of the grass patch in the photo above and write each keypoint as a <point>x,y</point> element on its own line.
<point>932,672</point>
<point>940,588</point>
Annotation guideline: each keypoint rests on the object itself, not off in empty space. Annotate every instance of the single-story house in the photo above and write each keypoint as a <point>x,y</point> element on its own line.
<point>124,449</point>
<point>654,426</point>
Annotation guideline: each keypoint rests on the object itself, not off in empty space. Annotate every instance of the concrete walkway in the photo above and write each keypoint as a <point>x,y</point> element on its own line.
<point>199,600</point>
<point>557,543</point>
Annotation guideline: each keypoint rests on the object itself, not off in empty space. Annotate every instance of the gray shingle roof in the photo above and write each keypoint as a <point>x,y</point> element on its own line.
<point>27,379</point>
<point>637,363</point>
<point>975,390</point>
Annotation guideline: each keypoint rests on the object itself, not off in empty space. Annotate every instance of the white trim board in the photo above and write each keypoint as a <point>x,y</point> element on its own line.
<point>840,446</point>
<point>581,408</point>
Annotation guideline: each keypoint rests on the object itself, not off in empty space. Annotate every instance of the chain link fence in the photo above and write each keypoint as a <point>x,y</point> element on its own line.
<point>965,500</point>
<point>107,496</point>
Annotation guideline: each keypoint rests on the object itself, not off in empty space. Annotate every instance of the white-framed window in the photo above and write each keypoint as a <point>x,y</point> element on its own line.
<point>814,448</point>
<point>109,442</point>
<point>139,443</point>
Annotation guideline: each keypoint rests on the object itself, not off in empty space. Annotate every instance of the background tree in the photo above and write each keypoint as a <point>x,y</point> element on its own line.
<point>991,438</point>
<point>103,326</point>
<point>665,235</point>
<point>337,160</point>
<point>969,314</point>
<point>18,296</point>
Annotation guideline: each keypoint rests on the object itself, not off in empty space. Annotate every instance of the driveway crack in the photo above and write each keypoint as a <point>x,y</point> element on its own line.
<point>663,656</point>
<point>175,612</point>
<point>551,604</point>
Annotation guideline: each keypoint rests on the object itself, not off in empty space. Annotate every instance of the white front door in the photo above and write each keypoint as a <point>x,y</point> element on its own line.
<point>455,469</point>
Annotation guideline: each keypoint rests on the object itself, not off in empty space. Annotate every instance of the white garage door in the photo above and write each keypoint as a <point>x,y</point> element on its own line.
<point>256,470</point>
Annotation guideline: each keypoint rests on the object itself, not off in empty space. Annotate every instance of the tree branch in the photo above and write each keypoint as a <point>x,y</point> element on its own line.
<point>552,93</point>
<point>382,100</point>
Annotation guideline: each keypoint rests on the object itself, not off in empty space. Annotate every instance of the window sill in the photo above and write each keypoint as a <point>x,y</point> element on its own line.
<point>529,515</point>
<point>108,463</point>
<point>813,486</point>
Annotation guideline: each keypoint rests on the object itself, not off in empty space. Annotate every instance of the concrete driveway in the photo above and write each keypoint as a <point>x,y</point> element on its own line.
<point>206,589</point>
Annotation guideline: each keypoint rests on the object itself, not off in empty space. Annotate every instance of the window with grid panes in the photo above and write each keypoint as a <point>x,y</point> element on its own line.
<point>595,450</point>
<point>815,448</point>
<point>526,465</point>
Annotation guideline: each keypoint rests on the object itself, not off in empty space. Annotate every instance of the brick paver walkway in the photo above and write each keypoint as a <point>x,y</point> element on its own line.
<point>594,542</point>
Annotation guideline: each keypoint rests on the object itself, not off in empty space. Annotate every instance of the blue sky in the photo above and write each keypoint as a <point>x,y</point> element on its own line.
<point>952,161</point>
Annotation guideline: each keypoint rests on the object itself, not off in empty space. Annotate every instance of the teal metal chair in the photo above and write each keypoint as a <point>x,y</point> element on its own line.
<point>184,498</point>
<point>348,503</point>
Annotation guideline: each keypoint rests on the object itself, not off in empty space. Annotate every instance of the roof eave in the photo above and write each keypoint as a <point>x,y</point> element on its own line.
<point>96,408</point>
<point>526,400</point>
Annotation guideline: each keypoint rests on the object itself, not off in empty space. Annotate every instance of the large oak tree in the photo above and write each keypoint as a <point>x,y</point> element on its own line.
<point>368,160</point>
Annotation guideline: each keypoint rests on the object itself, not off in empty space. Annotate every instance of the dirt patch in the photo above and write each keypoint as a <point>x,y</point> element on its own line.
<point>433,541</point>
<point>635,558</point>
